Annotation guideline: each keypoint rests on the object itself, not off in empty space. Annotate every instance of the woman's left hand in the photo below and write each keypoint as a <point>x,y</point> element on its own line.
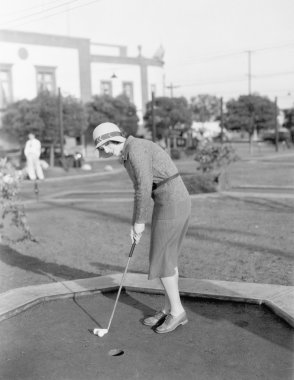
<point>136,232</point>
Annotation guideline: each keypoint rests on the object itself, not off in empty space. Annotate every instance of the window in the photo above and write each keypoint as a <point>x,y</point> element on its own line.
<point>106,87</point>
<point>46,79</point>
<point>5,86</point>
<point>128,90</point>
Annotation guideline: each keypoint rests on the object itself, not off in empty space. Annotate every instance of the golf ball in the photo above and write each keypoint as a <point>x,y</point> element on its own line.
<point>100,332</point>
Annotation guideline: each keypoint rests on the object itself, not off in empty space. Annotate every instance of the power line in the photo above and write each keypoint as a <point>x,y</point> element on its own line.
<point>260,76</point>
<point>224,55</point>
<point>220,81</point>
<point>57,13</point>
<point>282,46</point>
<point>208,59</point>
<point>17,12</point>
<point>236,79</point>
<point>40,12</point>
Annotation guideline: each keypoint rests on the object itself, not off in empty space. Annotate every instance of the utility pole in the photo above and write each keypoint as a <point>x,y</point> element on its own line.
<point>153,117</point>
<point>60,122</point>
<point>249,72</point>
<point>251,107</point>
<point>221,120</point>
<point>276,125</point>
<point>171,88</point>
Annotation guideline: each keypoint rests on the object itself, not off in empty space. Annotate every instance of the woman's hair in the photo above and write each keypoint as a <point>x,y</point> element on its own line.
<point>115,142</point>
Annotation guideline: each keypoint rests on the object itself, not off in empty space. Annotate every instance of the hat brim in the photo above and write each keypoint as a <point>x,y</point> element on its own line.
<point>114,138</point>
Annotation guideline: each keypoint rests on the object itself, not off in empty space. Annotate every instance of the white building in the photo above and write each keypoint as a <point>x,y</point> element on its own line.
<point>30,62</point>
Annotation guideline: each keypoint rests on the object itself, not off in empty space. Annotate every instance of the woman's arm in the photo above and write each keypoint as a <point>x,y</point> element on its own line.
<point>140,161</point>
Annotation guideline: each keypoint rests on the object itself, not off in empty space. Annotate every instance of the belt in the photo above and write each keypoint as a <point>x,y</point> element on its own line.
<point>156,185</point>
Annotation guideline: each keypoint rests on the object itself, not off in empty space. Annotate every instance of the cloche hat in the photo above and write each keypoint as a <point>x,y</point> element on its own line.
<point>105,132</point>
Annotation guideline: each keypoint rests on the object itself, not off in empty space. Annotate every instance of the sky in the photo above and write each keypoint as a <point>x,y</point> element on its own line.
<point>208,44</point>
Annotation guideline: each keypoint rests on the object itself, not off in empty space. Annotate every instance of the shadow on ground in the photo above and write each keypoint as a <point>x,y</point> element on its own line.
<point>193,232</point>
<point>13,258</point>
<point>256,319</point>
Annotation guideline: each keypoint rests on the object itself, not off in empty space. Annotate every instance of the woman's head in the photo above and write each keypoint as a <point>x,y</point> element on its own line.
<point>108,139</point>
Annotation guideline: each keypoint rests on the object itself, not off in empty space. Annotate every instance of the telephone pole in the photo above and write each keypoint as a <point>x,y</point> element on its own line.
<point>153,117</point>
<point>171,88</point>
<point>60,122</point>
<point>249,72</point>
<point>221,120</point>
<point>276,125</point>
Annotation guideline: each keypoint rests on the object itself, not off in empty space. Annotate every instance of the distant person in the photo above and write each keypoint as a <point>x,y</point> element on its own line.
<point>32,153</point>
<point>154,175</point>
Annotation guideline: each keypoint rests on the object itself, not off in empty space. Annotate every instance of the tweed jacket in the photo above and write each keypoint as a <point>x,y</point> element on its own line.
<point>146,163</point>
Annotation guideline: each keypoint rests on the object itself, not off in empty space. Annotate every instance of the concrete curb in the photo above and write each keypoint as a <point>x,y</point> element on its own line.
<point>277,298</point>
<point>247,194</point>
<point>79,176</point>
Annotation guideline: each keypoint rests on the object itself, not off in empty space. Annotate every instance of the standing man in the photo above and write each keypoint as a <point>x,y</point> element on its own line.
<point>32,153</point>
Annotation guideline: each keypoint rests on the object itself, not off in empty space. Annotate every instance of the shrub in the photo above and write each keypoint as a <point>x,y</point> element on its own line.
<point>211,157</point>
<point>190,151</point>
<point>10,206</point>
<point>199,183</point>
<point>175,154</point>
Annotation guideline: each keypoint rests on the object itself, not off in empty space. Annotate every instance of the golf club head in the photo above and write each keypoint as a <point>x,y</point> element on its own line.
<point>100,332</point>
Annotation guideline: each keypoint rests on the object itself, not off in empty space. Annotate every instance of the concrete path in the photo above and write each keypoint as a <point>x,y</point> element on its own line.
<point>230,333</point>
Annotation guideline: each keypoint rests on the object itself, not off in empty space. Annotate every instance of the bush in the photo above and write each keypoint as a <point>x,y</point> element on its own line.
<point>199,183</point>
<point>190,151</point>
<point>175,154</point>
<point>10,206</point>
<point>212,157</point>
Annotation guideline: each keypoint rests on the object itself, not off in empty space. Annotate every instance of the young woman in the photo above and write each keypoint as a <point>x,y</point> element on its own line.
<point>155,176</point>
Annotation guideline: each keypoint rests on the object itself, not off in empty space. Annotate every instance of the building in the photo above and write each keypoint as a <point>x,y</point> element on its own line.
<point>31,62</point>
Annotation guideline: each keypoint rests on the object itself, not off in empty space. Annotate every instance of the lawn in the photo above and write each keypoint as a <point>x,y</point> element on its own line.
<point>83,235</point>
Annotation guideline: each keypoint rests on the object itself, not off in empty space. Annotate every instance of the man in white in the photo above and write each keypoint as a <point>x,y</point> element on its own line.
<point>32,152</point>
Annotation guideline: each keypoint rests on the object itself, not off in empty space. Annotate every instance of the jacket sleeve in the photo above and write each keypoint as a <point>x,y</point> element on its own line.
<point>140,161</point>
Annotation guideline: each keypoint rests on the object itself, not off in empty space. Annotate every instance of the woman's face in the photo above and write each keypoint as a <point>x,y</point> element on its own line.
<point>109,149</point>
<point>104,151</point>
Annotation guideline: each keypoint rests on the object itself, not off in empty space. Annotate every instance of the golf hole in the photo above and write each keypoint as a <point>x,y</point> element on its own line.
<point>116,352</point>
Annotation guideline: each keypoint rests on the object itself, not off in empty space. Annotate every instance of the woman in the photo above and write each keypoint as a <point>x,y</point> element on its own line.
<point>154,175</point>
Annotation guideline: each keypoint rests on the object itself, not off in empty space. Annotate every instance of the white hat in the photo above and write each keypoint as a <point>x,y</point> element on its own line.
<point>105,132</point>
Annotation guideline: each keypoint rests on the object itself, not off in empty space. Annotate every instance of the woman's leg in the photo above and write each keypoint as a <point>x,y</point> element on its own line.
<point>173,302</point>
<point>166,306</point>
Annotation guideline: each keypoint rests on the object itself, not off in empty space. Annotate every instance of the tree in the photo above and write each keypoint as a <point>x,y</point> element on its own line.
<point>74,116</point>
<point>40,116</point>
<point>168,113</point>
<point>20,118</point>
<point>128,119</point>
<point>118,110</point>
<point>205,108</point>
<point>47,106</point>
<point>249,113</point>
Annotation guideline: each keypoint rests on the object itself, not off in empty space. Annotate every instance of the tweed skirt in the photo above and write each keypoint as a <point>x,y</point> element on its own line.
<point>170,221</point>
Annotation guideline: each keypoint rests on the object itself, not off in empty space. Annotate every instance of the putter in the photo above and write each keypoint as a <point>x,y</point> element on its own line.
<point>102,332</point>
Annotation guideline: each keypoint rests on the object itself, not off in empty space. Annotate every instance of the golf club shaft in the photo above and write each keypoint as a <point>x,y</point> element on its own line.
<point>121,284</point>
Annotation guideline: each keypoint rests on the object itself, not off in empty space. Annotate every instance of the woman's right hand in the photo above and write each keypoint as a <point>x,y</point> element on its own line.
<point>136,232</point>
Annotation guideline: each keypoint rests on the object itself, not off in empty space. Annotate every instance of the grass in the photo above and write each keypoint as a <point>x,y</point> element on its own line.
<point>230,238</point>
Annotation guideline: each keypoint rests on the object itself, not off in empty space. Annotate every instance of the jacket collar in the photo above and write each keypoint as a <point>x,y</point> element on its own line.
<point>126,149</point>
